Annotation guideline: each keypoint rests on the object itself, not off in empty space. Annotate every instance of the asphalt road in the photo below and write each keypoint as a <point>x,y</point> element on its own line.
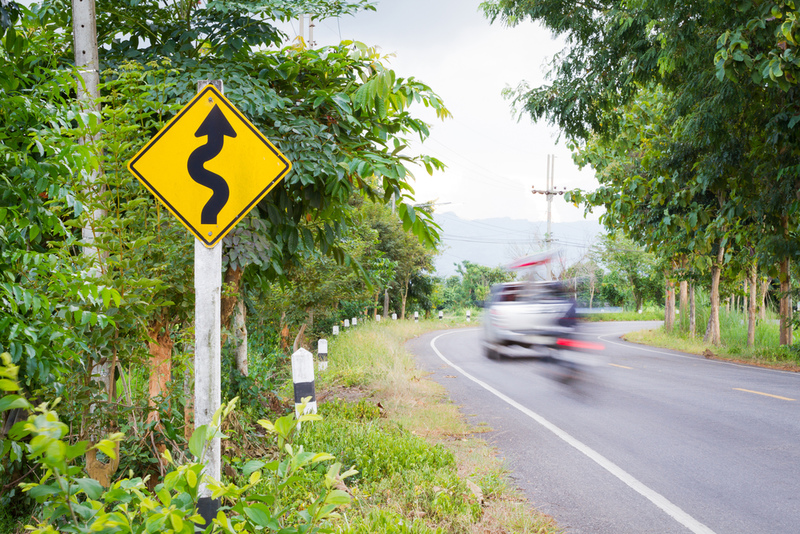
<point>647,441</point>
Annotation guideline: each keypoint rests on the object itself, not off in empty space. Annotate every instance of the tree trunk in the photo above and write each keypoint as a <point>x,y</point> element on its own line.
<point>752,307</point>
<point>240,336</point>
<point>763,299</point>
<point>669,307</point>
<point>231,285</point>
<point>403,304</point>
<point>684,298</point>
<point>386,303</point>
<point>785,307</point>
<point>713,335</point>
<point>160,346</point>
<point>692,312</point>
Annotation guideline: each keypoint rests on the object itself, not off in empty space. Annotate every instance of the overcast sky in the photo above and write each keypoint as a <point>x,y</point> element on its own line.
<point>493,159</point>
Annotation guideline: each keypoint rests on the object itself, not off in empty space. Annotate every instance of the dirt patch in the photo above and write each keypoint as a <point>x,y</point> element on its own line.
<point>347,394</point>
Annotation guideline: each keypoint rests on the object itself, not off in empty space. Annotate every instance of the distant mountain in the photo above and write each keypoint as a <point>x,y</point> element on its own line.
<point>496,242</point>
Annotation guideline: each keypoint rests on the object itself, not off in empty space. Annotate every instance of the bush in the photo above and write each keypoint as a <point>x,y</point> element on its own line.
<point>73,503</point>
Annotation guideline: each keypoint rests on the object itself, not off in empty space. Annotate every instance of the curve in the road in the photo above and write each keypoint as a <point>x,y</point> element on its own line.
<point>656,498</point>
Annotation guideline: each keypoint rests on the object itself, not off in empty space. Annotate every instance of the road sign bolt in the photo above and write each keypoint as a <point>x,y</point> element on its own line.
<point>210,99</point>
<point>209,233</point>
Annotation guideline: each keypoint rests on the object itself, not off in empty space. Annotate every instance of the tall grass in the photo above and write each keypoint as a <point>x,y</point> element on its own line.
<point>424,469</point>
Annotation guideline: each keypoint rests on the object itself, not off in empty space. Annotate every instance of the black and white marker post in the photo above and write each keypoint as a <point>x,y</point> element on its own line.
<point>303,378</point>
<point>441,314</point>
<point>322,354</point>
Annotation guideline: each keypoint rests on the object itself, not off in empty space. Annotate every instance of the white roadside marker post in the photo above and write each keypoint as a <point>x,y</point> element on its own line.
<point>469,312</point>
<point>354,321</point>
<point>322,354</point>
<point>303,378</point>
<point>336,330</point>
<point>441,314</point>
<point>377,318</point>
<point>347,323</point>
<point>394,317</point>
<point>416,316</point>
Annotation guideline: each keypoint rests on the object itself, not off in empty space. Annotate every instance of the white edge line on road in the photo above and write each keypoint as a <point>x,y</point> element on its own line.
<point>656,498</point>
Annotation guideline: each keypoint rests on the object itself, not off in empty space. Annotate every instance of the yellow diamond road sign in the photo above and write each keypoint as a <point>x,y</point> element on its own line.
<point>209,166</point>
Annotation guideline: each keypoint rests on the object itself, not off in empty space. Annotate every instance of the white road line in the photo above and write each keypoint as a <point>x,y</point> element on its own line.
<point>656,498</point>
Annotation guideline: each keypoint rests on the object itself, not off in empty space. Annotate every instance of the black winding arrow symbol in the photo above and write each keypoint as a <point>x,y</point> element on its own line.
<point>216,127</point>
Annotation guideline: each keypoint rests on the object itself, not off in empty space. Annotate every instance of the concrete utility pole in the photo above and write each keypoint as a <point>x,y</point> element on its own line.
<point>550,191</point>
<point>302,23</point>
<point>86,59</point>
<point>84,34</point>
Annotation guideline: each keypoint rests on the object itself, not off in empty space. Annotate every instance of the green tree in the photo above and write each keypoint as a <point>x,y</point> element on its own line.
<point>337,112</point>
<point>728,147</point>
<point>635,273</point>
<point>477,280</point>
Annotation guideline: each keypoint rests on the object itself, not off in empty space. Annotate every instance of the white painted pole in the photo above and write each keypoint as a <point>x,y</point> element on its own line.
<point>441,314</point>
<point>303,378</point>
<point>322,354</point>
<point>84,31</point>
<point>88,63</point>
<point>469,312</point>
<point>416,316</point>
<point>207,359</point>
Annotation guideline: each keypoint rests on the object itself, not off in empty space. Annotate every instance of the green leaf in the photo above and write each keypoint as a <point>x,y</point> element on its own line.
<point>91,487</point>
<point>337,497</point>
<point>43,490</point>
<point>11,402</point>
<point>260,515</point>
<point>251,466</point>
<point>198,441</point>
<point>8,385</point>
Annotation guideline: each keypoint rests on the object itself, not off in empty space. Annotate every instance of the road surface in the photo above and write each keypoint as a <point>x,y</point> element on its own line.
<point>648,441</point>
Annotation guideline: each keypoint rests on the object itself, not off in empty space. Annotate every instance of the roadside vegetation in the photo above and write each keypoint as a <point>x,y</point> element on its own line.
<point>96,296</point>
<point>390,454</point>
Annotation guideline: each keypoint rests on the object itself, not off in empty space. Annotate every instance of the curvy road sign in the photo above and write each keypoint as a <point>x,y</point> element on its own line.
<point>209,166</point>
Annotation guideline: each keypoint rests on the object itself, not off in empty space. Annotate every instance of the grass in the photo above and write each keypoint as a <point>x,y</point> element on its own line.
<point>733,331</point>
<point>424,469</point>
